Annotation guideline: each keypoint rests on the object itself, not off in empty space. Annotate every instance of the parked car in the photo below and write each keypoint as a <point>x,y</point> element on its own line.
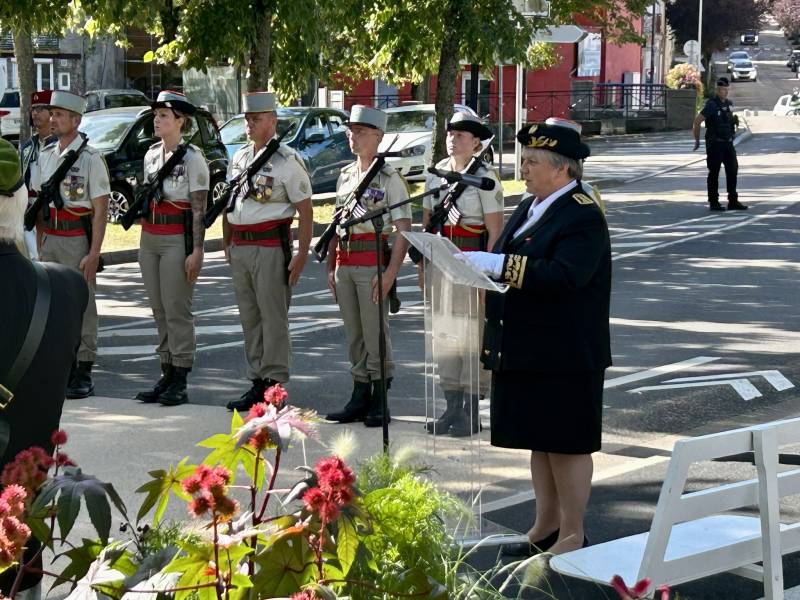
<point>319,137</point>
<point>410,129</point>
<point>100,99</point>
<point>744,70</point>
<point>749,37</point>
<point>787,104</point>
<point>123,135</point>
<point>9,115</point>
<point>734,56</point>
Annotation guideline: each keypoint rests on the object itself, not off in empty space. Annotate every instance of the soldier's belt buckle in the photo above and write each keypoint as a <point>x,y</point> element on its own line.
<point>6,396</point>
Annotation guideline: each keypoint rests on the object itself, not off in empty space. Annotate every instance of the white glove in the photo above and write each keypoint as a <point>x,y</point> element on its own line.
<point>487,262</point>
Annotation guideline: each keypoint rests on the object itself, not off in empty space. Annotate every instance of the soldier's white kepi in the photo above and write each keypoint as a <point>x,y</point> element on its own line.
<point>462,121</point>
<point>368,116</point>
<point>175,101</point>
<point>68,101</point>
<point>258,102</point>
<point>559,122</point>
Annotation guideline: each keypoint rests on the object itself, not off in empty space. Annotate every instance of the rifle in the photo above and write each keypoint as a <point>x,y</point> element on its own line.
<point>350,208</point>
<point>86,223</point>
<point>446,209</point>
<point>150,190</point>
<point>240,186</point>
<point>50,192</point>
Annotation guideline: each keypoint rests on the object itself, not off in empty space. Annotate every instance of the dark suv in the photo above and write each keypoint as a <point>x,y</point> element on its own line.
<point>749,37</point>
<point>124,135</point>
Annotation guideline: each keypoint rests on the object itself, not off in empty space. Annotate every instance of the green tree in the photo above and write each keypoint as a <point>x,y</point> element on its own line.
<point>25,19</point>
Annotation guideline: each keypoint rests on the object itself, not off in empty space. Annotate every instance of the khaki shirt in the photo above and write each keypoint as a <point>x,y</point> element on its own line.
<point>280,184</point>
<point>388,185</point>
<point>472,202</point>
<point>190,175</point>
<point>87,178</point>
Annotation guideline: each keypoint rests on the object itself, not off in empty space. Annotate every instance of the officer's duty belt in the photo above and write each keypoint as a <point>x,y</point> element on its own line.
<point>63,225</point>
<point>360,245</point>
<point>164,219</point>
<point>256,236</point>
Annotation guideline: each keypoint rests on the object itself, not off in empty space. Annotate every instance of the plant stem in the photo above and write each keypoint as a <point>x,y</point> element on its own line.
<point>216,553</point>
<point>23,568</point>
<point>271,483</point>
<point>371,586</point>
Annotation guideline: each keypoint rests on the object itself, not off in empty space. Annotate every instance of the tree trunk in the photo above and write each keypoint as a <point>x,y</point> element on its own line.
<point>446,82</point>
<point>23,52</point>
<point>421,90</point>
<point>260,49</point>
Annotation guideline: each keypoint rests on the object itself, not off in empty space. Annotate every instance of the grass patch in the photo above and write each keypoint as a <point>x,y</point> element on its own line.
<point>118,239</point>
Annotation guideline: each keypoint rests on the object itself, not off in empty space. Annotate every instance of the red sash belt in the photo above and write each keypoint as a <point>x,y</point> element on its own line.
<point>266,233</point>
<point>66,222</point>
<point>359,250</point>
<point>166,217</point>
<point>466,237</point>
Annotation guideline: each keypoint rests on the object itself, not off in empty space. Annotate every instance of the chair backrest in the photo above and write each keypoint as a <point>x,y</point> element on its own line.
<point>675,506</point>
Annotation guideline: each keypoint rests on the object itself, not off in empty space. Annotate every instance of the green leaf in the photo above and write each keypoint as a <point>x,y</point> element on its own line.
<point>159,489</point>
<point>284,567</point>
<point>194,571</point>
<point>226,453</point>
<point>346,543</point>
<point>99,510</point>
<point>148,56</point>
<point>80,559</point>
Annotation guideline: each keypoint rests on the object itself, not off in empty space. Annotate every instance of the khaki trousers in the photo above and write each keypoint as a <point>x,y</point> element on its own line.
<point>162,260</point>
<point>263,296</point>
<point>70,251</point>
<point>360,317</point>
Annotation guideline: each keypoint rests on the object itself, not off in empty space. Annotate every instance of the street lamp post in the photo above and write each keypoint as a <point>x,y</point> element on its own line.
<point>700,37</point>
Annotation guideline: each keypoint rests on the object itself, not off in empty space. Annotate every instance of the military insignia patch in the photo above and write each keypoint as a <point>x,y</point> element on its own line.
<point>304,187</point>
<point>499,197</point>
<point>374,195</point>
<point>582,199</point>
<point>263,189</point>
<point>202,179</point>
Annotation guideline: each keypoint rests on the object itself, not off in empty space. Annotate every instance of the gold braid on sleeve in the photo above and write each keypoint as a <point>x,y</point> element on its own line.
<point>514,270</point>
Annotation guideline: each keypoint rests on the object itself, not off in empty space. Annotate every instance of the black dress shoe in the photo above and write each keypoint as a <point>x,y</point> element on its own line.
<point>736,206</point>
<point>527,549</point>
<point>716,206</point>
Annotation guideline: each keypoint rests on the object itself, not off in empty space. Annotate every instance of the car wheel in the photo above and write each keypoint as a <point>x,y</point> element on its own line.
<point>218,186</point>
<point>119,201</point>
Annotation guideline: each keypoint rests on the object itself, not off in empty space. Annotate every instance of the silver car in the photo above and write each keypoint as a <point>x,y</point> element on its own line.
<point>734,56</point>
<point>744,70</point>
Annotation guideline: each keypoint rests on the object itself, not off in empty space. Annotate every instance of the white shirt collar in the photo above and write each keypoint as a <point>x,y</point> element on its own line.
<point>537,209</point>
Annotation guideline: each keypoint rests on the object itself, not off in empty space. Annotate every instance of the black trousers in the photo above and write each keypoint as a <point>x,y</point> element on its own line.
<point>718,154</point>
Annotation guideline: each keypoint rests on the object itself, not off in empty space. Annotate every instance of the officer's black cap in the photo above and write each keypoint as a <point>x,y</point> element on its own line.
<point>561,140</point>
<point>723,82</point>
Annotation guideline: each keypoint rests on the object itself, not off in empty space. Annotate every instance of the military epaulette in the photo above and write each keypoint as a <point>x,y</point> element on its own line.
<point>285,151</point>
<point>582,198</point>
<point>388,169</point>
<point>514,270</point>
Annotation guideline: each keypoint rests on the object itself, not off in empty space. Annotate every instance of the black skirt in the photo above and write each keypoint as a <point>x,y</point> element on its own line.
<point>547,412</point>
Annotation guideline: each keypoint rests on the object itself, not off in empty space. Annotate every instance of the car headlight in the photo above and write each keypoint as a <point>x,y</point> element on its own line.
<point>418,150</point>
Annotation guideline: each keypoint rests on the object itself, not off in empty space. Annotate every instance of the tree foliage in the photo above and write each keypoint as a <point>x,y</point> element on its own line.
<point>787,12</point>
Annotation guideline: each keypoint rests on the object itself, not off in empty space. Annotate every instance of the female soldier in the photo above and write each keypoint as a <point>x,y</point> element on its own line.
<point>171,248</point>
<point>478,228</point>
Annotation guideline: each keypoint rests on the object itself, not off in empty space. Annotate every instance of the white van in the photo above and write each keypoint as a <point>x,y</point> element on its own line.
<point>787,104</point>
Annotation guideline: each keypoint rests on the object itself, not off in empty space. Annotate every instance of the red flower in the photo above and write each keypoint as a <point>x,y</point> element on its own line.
<point>314,499</point>
<point>334,474</point>
<point>209,488</point>
<point>28,469</point>
<point>59,437</point>
<point>256,411</point>
<point>276,395</point>
<point>63,460</point>
<point>304,595</point>
<point>638,590</point>
<point>12,501</point>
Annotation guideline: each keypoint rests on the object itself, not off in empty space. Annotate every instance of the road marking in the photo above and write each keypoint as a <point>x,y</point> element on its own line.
<point>774,377</point>
<point>655,372</point>
<point>742,386</point>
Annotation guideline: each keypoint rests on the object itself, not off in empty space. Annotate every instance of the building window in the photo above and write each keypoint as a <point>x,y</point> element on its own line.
<point>63,81</point>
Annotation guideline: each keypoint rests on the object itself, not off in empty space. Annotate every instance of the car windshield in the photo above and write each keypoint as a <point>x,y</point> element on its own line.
<point>10,100</point>
<point>117,100</point>
<point>744,65</point>
<point>410,121</point>
<point>739,56</point>
<point>233,131</point>
<point>106,132</point>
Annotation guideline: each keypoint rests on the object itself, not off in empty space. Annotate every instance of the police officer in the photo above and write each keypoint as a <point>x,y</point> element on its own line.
<point>351,266</point>
<point>257,237</point>
<point>30,149</point>
<point>720,129</point>
<point>173,226</point>
<point>85,191</point>
<point>477,229</point>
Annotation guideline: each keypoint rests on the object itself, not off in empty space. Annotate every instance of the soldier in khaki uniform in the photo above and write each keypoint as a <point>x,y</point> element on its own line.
<point>351,267</point>
<point>169,273</point>
<point>257,237</point>
<point>63,239</point>
<point>478,229</point>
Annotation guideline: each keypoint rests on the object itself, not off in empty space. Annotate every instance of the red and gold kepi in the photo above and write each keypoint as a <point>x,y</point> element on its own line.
<point>41,98</point>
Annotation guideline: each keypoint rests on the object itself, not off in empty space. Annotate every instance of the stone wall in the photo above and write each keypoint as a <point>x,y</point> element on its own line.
<point>681,108</point>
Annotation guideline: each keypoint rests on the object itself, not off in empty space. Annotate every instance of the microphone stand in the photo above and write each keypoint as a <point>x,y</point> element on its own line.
<point>376,216</point>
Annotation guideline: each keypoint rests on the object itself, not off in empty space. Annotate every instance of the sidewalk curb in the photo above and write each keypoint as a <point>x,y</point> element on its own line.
<point>132,254</point>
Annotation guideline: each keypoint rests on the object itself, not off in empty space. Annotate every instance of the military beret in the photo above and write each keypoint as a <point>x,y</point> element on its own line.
<point>68,101</point>
<point>368,116</point>
<point>258,102</point>
<point>555,138</point>
<point>175,101</point>
<point>723,82</point>
<point>10,172</point>
<point>41,98</point>
<point>462,121</point>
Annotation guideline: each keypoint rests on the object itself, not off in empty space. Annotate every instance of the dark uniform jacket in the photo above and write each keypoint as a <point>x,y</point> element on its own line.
<point>29,154</point>
<point>720,120</point>
<point>555,315</point>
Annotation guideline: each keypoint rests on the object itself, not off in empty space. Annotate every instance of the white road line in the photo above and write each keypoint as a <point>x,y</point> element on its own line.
<point>742,386</point>
<point>632,244</point>
<point>671,368</point>
<point>774,377</point>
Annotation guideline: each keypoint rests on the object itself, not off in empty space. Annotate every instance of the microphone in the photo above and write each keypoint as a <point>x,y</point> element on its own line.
<point>484,183</point>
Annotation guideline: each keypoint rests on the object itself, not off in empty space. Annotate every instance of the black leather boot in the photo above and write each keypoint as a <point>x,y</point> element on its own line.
<point>455,400</point>
<point>175,393</point>
<point>150,396</point>
<point>252,396</point>
<point>468,420</point>
<point>374,416</point>
<point>81,385</point>
<point>356,408</point>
